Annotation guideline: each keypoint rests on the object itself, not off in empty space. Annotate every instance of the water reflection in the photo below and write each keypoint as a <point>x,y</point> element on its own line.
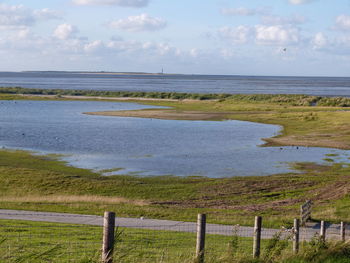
<point>148,146</point>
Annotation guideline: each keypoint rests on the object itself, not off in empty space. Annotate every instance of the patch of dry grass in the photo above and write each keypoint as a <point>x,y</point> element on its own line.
<point>73,199</point>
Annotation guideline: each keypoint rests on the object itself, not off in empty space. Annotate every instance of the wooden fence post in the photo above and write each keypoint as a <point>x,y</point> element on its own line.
<point>296,236</point>
<point>257,236</point>
<point>342,231</point>
<point>108,237</point>
<point>305,212</point>
<point>201,224</point>
<point>323,230</point>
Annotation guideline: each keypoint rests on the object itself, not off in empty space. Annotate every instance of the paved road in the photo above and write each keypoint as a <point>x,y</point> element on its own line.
<point>155,224</point>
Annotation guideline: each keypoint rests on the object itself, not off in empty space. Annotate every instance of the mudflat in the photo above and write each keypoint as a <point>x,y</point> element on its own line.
<point>165,114</point>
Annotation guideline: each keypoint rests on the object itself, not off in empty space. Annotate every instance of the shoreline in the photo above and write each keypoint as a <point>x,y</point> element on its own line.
<point>54,186</point>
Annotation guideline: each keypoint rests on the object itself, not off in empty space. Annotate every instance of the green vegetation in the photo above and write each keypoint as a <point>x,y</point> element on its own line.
<point>294,100</point>
<point>33,182</point>
<point>40,242</point>
<point>47,242</point>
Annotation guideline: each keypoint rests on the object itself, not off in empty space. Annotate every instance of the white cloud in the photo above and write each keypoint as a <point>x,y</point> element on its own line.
<point>227,53</point>
<point>194,52</point>
<point>15,16</point>
<point>319,41</point>
<point>299,2</point>
<point>343,22</point>
<point>244,11</point>
<point>65,31</point>
<point>283,20</point>
<point>46,14</point>
<point>160,49</point>
<point>126,3</point>
<point>18,16</point>
<point>94,46</point>
<point>22,40</point>
<point>165,49</point>
<point>240,11</point>
<point>262,34</point>
<point>276,35</point>
<point>342,44</point>
<point>136,47</point>
<point>240,34</point>
<point>121,45</point>
<point>23,34</point>
<point>142,22</point>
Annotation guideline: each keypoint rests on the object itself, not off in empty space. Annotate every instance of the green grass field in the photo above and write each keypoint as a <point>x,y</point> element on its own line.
<point>40,242</point>
<point>48,242</point>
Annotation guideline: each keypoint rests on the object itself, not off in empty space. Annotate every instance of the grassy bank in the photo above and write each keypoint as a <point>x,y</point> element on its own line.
<point>41,183</point>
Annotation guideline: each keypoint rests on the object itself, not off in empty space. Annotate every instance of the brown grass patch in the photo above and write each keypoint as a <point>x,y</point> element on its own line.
<point>228,204</point>
<point>73,199</point>
<point>333,191</point>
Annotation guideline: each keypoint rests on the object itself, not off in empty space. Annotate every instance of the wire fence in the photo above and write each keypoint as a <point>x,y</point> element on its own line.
<point>42,242</point>
<point>146,241</point>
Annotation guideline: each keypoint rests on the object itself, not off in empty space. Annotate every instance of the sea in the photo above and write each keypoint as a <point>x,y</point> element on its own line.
<point>230,84</point>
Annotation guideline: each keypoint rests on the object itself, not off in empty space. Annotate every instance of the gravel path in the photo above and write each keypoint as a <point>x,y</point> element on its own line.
<point>156,224</point>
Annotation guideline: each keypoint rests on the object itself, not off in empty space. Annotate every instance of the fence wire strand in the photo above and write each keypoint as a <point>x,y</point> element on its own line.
<point>171,242</point>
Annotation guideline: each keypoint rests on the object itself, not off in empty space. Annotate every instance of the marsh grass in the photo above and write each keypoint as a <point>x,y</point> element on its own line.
<point>281,99</point>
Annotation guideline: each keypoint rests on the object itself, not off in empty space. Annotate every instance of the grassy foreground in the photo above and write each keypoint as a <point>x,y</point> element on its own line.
<point>48,242</point>
<point>41,242</point>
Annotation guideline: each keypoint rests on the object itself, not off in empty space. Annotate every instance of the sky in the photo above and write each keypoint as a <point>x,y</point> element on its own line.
<point>229,37</point>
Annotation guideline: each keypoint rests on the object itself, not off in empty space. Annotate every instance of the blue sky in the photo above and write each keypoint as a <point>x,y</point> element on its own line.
<point>250,37</point>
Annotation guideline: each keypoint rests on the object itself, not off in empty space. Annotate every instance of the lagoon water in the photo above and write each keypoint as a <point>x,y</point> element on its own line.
<point>318,86</point>
<point>147,146</point>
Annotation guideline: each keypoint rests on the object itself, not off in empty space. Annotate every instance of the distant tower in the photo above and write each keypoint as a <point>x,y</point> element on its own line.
<point>162,71</point>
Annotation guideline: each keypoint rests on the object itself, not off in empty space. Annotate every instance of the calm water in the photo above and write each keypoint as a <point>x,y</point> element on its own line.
<point>320,86</point>
<point>147,146</point>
